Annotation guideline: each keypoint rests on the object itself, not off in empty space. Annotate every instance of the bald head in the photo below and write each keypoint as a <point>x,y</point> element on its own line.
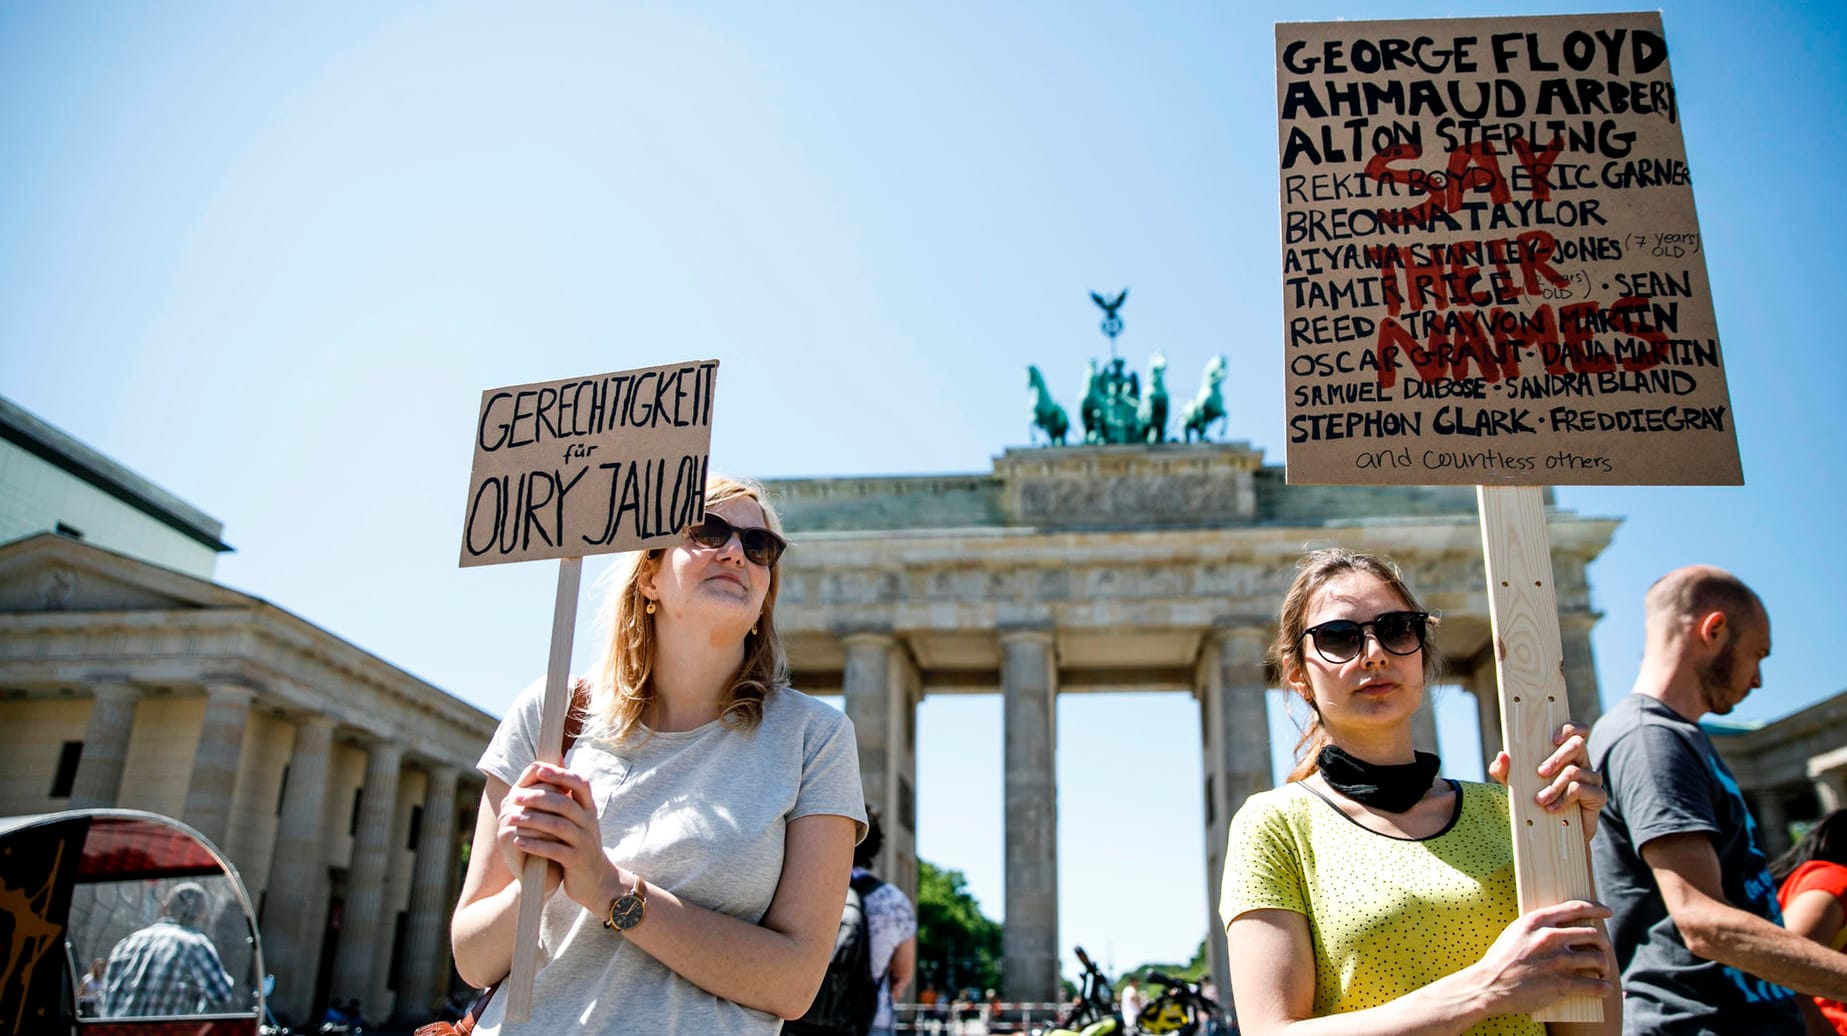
<point>1684,596</point>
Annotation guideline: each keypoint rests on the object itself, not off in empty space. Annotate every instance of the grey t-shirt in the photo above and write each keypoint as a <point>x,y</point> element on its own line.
<point>1665,778</point>
<point>700,813</point>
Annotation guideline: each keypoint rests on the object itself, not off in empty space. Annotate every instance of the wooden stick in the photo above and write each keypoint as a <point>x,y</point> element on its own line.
<point>551,750</point>
<point>1551,861</point>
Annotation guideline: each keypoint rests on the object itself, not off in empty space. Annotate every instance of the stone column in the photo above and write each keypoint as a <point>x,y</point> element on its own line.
<point>1831,791</point>
<point>1580,667</point>
<point>295,909</point>
<point>1237,741</point>
<point>1485,685</point>
<point>105,745</point>
<point>364,926</point>
<point>1244,680</point>
<point>422,982</point>
<point>866,692</point>
<point>214,767</point>
<point>1772,821</point>
<point>1424,723</point>
<point>897,862</point>
<point>1030,938</point>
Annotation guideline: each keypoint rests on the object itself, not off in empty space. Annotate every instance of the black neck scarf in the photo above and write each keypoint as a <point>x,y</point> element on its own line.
<point>1393,788</point>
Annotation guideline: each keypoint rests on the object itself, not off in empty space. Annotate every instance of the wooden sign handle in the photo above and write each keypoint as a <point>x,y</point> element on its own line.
<point>1551,861</point>
<point>551,750</point>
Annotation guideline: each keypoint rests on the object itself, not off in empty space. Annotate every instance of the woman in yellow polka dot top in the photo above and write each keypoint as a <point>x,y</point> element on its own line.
<point>1369,896</point>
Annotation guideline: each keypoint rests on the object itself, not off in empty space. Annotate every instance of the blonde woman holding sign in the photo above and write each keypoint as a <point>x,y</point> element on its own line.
<point>702,826</point>
<point>1369,896</point>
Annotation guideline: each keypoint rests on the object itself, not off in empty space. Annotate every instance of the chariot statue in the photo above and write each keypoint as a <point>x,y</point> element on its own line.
<point>1114,410</point>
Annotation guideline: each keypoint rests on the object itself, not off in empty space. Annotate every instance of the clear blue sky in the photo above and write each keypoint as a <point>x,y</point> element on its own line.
<point>268,255</point>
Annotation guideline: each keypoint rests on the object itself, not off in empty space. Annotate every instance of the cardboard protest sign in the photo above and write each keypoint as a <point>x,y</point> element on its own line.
<point>590,465</point>
<point>1492,268</point>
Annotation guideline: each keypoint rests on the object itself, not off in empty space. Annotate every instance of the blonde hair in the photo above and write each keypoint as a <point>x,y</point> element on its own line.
<point>623,680</point>
<point>1314,571</point>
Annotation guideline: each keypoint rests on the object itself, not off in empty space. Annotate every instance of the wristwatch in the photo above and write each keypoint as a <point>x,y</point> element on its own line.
<point>627,910</point>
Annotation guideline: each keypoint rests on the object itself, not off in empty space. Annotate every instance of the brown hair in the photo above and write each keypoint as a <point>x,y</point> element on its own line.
<point>623,678</point>
<point>1313,572</point>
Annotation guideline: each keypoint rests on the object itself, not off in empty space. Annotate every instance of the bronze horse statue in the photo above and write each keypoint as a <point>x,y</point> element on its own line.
<point>1152,414</point>
<point>1208,407</point>
<point>1090,408</point>
<point>1048,416</point>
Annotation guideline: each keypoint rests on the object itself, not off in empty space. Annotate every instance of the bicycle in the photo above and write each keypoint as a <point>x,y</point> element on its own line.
<point>1181,1010</point>
<point>1093,1011</point>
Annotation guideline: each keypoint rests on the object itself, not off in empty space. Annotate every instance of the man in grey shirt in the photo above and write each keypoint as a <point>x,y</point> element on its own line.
<point>1679,859</point>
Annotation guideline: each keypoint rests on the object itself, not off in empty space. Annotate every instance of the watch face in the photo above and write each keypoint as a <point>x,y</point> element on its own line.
<point>626,913</point>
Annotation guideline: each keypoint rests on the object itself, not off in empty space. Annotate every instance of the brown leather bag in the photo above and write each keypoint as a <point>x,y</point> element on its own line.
<point>573,725</point>
<point>465,1024</point>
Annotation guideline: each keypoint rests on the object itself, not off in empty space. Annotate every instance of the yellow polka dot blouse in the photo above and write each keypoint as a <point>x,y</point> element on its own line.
<point>1386,915</point>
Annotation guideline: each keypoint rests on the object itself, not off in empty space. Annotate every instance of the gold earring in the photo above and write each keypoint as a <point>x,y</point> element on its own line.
<point>650,607</point>
<point>753,629</point>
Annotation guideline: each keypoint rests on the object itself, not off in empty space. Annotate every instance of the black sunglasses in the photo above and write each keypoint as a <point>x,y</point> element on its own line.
<point>761,546</point>
<point>1401,633</point>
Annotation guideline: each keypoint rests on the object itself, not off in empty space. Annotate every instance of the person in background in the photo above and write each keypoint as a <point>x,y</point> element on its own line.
<point>701,829</point>
<point>1697,929</point>
<point>1130,1002</point>
<point>1812,890</point>
<point>891,924</point>
<point>90,990</point>
<point>170,967</point>
<point>1369,895</point>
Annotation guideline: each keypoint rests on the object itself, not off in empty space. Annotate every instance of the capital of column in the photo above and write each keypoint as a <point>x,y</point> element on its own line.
<point>1577,621</point>
<point>360,735</point>
<point>1027,635</point>
<point>1243,644</point>
<point>313,721</point>
<point>113,690</point>
<point>382,751</point>
<point>869,639</point>
<point>227,693</point>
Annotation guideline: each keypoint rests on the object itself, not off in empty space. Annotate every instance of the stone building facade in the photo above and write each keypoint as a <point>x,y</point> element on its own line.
<point>1110,568</point>
<point>1792,771</point>
<point>50,482</point>
<point>338,785</point>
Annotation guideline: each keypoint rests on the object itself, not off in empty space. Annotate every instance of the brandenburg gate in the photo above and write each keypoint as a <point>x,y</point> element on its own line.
<point>1111,568</point>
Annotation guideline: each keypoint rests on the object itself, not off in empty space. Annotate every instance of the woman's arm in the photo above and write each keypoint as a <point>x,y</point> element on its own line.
<point>1544,955</point>
<point>775,965</point>
<point>481,931</point>
<point>1814,914</point>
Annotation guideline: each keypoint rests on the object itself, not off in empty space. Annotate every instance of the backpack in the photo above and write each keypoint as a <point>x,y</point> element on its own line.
<point>848,999</point>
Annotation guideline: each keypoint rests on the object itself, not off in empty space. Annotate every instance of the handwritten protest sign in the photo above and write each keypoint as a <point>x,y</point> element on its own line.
<point>1493,275</point>
<point>589,465</point>
<point>1492,268</point>
<point>563,469</point>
